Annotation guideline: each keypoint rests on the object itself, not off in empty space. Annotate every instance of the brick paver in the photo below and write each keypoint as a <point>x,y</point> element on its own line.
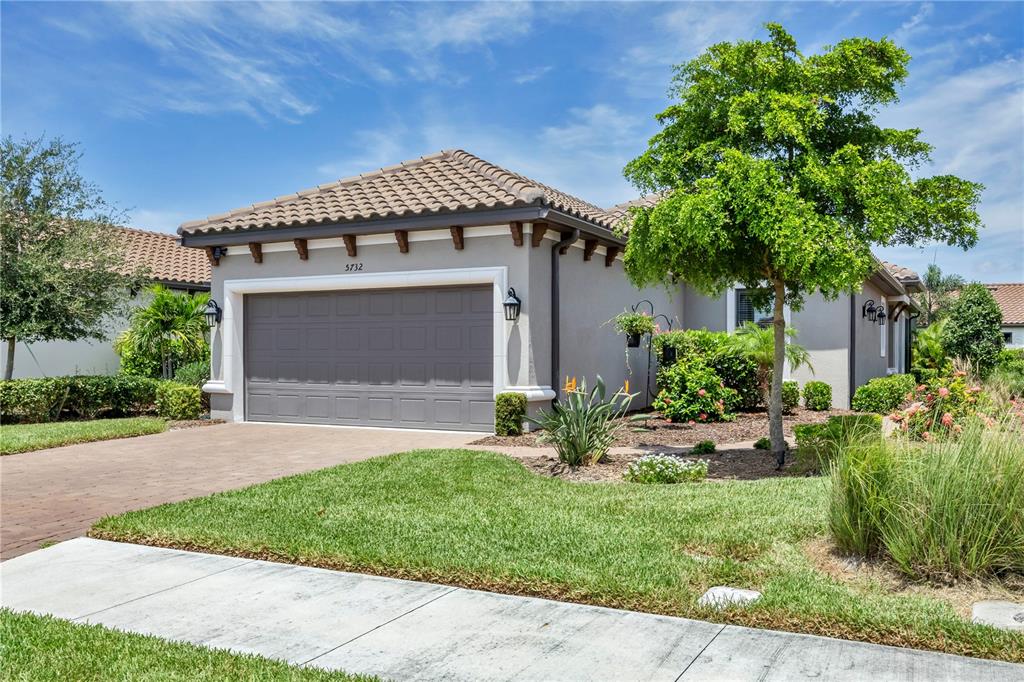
<point>53,495</point>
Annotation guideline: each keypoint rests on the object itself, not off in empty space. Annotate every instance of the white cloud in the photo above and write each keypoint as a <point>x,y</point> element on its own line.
<point>531,75</point>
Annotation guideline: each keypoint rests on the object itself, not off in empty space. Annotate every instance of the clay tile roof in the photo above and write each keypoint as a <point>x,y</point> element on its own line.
<point>619,211</point>
<point>1010,298</point>
<point>164,259</point>
<point>899,272</point>
<point>445,182</point>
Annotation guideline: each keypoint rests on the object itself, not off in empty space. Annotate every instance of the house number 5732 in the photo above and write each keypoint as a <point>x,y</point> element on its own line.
<point>353,267</point>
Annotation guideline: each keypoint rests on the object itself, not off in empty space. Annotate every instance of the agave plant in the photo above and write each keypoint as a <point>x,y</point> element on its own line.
<point>582,427</point>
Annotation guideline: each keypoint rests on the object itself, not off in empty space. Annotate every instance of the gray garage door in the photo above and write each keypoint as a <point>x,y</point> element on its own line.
<point>414,358</point>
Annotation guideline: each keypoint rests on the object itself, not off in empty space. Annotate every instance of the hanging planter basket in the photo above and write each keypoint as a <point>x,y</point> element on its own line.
<point>668,355</point>
<point>633,340</point>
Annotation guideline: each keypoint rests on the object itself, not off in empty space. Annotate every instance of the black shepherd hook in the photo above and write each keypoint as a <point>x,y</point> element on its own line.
<point>668,322</point>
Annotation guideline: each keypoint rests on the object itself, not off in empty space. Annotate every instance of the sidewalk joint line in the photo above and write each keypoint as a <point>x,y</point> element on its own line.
<point>166,589</point>
<point>378,627</point>
<point>700,653</point>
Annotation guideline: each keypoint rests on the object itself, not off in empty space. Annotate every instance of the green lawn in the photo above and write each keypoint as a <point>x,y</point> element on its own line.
<point>482,520</point>
<point>16,438</point>
<point>44,648</point>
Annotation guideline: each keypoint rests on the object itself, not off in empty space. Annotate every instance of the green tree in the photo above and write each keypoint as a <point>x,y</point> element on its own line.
<point>774,174</point>
<point>758,343</point>
<point>937,293</point>
<point>168,331</point>
<point>62,272</point>
<point>973,328</point>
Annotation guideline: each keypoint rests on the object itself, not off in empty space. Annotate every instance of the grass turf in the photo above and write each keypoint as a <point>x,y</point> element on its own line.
<point>44,648</point>
<point>482,520</point>
<point>15,438</point>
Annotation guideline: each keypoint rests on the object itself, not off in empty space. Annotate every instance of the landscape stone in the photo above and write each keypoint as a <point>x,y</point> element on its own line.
<point>1001,614</point>
<point>721,596</point>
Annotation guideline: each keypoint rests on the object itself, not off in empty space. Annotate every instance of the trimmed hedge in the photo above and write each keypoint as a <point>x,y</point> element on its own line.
<point>818,445</point>
<point>178,401</point>
<point>817,396</point>
<point>509,414</point>
<point>76,397</point>
<point>883,394</point>
<point>790,396</point>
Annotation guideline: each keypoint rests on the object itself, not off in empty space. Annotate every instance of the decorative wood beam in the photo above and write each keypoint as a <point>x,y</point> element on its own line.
<point>538,233</point>
<point>609,257</point>
<point>457,240</point>
<point>256,249</point>
<point>213,255</point>
<point>402,237</point>
<point>350,244</point>
<point>589,247</point>
<point>303,248</point>
<point>517,233</point>
<point>565,249</point>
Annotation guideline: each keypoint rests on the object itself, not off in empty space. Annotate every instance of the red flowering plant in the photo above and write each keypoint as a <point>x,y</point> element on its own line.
<point>938,410</point>
<point>693,392</point>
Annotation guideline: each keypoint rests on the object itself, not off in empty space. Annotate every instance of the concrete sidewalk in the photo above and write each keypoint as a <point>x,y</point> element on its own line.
<point>406,630</point>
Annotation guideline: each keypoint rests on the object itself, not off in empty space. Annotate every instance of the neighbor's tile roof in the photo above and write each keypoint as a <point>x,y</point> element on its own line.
<point>1010,298</point>
<point>164,259</point>
<point>446,182</point>
<point>619,211</point>
<point>899,272</point>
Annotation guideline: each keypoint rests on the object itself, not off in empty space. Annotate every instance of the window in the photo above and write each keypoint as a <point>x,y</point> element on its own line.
<point>1008,337</point>
<point>745,311</point>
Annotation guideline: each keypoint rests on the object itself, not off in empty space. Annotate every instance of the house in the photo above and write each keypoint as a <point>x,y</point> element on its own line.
<point>1010,298</point>
<point>379,300</point>
<point>167,263</point>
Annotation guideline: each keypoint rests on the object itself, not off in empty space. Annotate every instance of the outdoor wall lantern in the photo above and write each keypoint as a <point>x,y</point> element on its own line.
<point>869,310</point>
<point>881,316</point>
<point>212,313</point>
<point>512,305</point>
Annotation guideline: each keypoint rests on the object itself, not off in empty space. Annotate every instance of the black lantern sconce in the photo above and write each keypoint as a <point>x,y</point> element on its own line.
<point>881,313</point>
<point>512,305</point>
<point>212,313</point>
<point>869,310</point>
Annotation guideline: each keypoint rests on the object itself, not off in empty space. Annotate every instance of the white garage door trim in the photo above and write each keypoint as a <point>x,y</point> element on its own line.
<point>232,324</point>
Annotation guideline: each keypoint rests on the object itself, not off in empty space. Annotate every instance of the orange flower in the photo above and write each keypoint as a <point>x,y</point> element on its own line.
<point>947,419</point>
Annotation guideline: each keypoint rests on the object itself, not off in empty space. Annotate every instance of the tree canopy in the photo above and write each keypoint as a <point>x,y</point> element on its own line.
<point>62,273</point>
<point>973,329</point>
<point>773,173</point>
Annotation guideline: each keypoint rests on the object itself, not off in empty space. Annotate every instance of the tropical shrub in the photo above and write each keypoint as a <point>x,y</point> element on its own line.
<point>763,443</point>
<point>167,332</point>
<point>509,414</point>
<point>790,396</point>
<point>1009,373</point>
<point>705,447</point>
<point>973,330</point>
<point>817,396</point>
<point>930,359</point>
<point>32,400</point>
<point>582,426</point>
<point>665,469</point>
<point>739,372</point>
<point>942,510</point>
<point>883,394</point>
<point>178,401</point>
<point>693,392</point>
<point>939,408</point>
<point>818,445</point>
<point>193,373</point>
<point>758,345</point>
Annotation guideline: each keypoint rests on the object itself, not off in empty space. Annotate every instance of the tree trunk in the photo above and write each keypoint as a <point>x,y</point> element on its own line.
<point>9,367</point>
<point>775,396</point>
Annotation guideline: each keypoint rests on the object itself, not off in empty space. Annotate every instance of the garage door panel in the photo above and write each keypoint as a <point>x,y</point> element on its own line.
<point>419,358</point>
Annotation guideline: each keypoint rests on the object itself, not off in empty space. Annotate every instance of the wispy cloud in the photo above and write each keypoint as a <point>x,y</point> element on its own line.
<point>531,75</point>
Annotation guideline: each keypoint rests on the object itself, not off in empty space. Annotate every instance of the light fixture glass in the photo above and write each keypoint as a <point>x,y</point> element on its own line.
<point>512,305</point>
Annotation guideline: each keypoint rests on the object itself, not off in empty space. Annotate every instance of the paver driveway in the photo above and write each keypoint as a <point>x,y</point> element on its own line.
<point>57,494</point>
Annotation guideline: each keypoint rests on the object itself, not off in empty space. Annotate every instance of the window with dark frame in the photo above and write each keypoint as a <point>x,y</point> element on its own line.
<point>1007,337</point>
<point>746,312</point>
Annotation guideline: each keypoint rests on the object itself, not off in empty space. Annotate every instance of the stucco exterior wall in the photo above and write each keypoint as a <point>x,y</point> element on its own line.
<point>1016,336</point>
<point>823,328</point>
<point>869,361</point>
<point>702,312</point>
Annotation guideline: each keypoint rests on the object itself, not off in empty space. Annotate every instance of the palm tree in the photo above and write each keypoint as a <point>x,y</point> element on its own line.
<point>758,344</point>
<point>170,326</point>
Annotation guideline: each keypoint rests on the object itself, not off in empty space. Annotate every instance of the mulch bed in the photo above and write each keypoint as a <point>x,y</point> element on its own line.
<point>191,423</point>
<point>747,426</point>
<point>742,464</point>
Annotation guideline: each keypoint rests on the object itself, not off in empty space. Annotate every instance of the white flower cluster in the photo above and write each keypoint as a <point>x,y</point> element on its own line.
<point>665,469</point>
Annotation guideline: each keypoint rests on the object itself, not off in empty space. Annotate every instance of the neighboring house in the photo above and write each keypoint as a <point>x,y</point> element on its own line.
<point>378,300</point>
<point>1010,298</point>
<point>168,263</point>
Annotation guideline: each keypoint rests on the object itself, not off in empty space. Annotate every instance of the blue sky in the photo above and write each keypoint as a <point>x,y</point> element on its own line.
<point>184,110</point>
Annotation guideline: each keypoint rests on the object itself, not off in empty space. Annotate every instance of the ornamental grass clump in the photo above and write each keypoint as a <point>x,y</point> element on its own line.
<point>665,469</point>
<point>940,510</point>
<point>582,426</point>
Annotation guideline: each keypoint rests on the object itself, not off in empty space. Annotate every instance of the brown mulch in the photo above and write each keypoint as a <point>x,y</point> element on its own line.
<point>191,423</point>
<point>747,426</point>
<point>741,464</point>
